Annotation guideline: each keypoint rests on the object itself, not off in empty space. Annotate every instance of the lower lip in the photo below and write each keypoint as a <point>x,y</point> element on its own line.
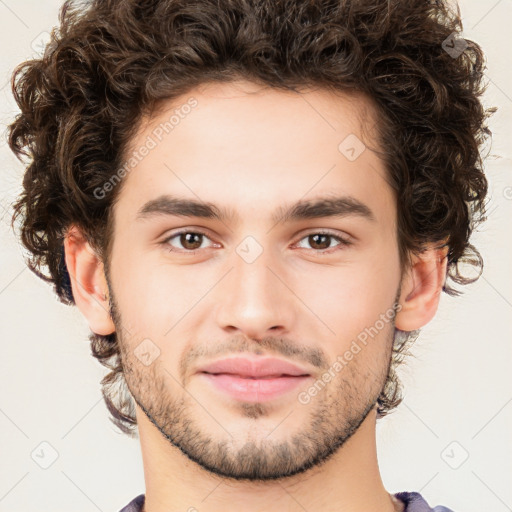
<point>254,390</point>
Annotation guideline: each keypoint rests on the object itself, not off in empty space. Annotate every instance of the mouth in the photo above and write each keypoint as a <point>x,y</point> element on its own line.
<point>252,388</point>
<point>253,379</point>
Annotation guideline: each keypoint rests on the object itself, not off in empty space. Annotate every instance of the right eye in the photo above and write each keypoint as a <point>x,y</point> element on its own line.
<point>191,241</point>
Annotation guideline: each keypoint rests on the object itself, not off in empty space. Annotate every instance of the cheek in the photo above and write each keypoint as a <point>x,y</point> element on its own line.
<point>157,295</point>
<point>352,297</point>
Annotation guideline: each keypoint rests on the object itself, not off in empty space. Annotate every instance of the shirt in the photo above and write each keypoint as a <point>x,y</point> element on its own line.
<point>414,502</point>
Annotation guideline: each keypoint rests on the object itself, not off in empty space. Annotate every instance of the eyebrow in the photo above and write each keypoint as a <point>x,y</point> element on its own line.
<point>341,206</point>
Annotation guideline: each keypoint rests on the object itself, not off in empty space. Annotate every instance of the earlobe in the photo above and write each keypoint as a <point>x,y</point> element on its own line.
<point>88,282</point>
<point>421,289</point>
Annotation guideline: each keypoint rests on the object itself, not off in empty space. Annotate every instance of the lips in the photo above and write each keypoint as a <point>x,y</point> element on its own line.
<point>254,379</point>
<point>254,368</point>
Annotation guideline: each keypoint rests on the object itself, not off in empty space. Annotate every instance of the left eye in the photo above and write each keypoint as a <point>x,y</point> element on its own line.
<point>320,239</point>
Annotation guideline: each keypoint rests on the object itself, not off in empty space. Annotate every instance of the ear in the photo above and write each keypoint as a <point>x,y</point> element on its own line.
<point>88,282</point>
<point>421,288</point>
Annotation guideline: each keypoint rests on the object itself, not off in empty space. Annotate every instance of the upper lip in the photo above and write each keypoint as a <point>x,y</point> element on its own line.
<point>267,367</point>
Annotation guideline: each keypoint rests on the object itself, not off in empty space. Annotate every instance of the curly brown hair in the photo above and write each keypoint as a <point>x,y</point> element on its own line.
<point>111,61</point>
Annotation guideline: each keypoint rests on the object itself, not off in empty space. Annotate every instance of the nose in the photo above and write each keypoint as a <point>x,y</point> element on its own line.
<point>254,299</point>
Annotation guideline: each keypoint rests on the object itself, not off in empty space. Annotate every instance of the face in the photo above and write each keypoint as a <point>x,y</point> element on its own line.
<point>190,287</point>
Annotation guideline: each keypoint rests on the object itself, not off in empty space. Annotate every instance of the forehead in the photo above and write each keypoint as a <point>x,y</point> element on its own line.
<point>251,148</point>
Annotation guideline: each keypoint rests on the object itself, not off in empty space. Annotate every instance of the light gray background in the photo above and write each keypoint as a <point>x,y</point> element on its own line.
<point>458,397</point>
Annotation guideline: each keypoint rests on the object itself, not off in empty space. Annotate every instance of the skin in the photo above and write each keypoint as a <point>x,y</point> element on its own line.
<point>202,448</point>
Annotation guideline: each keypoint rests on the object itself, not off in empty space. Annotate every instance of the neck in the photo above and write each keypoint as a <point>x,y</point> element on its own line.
<point>349,481</point>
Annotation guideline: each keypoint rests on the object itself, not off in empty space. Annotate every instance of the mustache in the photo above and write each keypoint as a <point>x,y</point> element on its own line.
<point>267,346</point>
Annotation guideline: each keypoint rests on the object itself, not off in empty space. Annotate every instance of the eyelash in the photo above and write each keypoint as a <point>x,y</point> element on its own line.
<point>343,242</point>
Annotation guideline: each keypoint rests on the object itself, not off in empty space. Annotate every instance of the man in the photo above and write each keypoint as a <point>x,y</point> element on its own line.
<point>256,206</point>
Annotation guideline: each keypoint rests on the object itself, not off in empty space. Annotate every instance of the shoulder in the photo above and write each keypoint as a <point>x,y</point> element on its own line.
<point>414,502</point>
<point>135,505</point>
